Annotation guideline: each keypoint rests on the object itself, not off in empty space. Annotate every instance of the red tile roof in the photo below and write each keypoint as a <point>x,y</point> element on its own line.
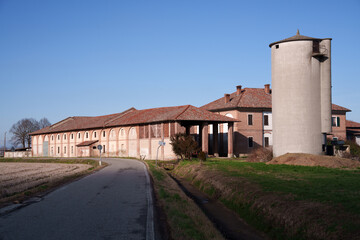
<point>352,124</point>
<point>250,98</point>
<point>339,108</point>
<point>134,117</point>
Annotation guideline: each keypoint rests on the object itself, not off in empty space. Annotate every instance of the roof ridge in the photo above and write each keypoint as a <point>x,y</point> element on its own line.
<point>119,116</point>
<point>187,106</point>
<point>61,122</point>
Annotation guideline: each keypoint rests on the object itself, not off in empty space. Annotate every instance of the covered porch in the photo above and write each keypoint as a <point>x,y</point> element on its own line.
<point>211,137</point>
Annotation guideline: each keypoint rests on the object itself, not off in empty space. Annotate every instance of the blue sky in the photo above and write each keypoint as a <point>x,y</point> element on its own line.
<point>88,58</point>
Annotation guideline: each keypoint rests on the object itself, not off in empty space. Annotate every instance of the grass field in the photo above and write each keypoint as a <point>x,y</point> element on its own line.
<point>285,201</point>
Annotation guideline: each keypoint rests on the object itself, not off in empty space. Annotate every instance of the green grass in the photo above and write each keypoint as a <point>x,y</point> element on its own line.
<point>335,186</point>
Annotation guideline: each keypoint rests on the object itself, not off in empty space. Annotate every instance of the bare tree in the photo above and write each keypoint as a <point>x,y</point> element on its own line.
<point>44,122</point>
<point>24,127</point>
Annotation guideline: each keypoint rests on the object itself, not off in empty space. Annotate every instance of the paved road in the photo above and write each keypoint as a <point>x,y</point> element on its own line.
<point>114,203</point>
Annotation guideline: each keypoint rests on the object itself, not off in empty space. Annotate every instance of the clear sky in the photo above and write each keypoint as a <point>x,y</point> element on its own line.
<point>87,58</point>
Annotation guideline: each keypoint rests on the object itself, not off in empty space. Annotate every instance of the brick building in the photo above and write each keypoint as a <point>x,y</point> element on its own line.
<point>132,133</point>
<point>252,107</point>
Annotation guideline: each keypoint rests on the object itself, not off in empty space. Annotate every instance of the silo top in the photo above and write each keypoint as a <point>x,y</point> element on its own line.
<point>297,37</point>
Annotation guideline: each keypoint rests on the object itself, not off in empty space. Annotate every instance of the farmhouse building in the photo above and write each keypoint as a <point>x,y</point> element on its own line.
<point>132,133</point>
<point>252,107</point>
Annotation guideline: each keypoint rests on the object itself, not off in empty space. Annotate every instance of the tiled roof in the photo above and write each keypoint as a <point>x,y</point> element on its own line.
<point>352,124</point>
<point>179,113</point>
<point>134,117</point>
<point>86,143</point>
<point>250,98</point>
<point>339,108</point>
<point>80,123</point>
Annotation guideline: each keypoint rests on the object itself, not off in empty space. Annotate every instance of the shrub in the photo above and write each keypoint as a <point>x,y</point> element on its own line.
<point>183,145</point>
<point>354,148</point>
<point>202,156</point>
<point>260,154</point>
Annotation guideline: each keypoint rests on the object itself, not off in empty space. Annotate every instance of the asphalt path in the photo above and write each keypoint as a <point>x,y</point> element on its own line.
<point>113,203</point>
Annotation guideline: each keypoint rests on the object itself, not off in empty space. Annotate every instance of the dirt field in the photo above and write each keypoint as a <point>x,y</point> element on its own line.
<point>303,159</point>
<point>18,177</point>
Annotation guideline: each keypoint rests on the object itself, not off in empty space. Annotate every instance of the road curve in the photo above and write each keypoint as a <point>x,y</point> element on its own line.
<point>114,203</point>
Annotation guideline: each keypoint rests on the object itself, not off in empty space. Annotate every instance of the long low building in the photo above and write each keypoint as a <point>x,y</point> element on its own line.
<point>132,133</point>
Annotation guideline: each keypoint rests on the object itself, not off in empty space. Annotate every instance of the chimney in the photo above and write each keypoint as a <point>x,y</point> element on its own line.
<point>267,88</point>
<point>238,90</point>
<point>227,98</point>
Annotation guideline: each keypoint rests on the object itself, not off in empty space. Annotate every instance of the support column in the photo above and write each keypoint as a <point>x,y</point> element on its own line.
<point>205,137</point>
<point>149,129</point>
<point>215,140</point>
<point>162,139</point>
<point>230,139</point>
<point>138,141</point>
<point>188,130</point>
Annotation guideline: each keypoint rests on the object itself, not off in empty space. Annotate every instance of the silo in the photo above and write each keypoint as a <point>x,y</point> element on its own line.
<point>301,94</point>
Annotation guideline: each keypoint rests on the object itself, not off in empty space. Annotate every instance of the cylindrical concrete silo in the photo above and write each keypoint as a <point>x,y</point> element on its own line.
<point>300,87</point>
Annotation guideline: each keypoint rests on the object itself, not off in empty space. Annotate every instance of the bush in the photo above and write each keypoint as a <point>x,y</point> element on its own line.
<point>260,154</point>
<point>202,156</point>
<point>183,145</point>
<point>354,148</point>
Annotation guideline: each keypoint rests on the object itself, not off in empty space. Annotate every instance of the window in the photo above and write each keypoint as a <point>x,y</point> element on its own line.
<point>79,135</point>
<point>251,142</point>
<point>52,138</point>
<point>103,133</point>
<point>266,141</point>
<point>64,136</point>
<point>277,46</point>
<point>87,135</point>
<point>65,150</point>
<point>103,148</point>
<point>58,136</point>
<point>94,134</point>
<point>335,121</point>
<point>58,149</point>
<point>250,119</point>
<point>266,120</point>
<point>72,136</point>
<point>316,47</point>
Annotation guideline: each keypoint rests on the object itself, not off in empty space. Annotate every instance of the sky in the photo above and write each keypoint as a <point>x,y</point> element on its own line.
<point>89,58</point>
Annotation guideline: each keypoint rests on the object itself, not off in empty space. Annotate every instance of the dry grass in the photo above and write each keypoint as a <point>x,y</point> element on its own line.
<point>185,220</point>
<point>19,177</point>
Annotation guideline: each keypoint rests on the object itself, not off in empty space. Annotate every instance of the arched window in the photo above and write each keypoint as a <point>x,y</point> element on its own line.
<point>58,136</point>
<point>86,135</point>
<point>64,136</point>
<point>94,134</point>
<point>112,134</point>
<point>132,133</point>
<point>79,135</point>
